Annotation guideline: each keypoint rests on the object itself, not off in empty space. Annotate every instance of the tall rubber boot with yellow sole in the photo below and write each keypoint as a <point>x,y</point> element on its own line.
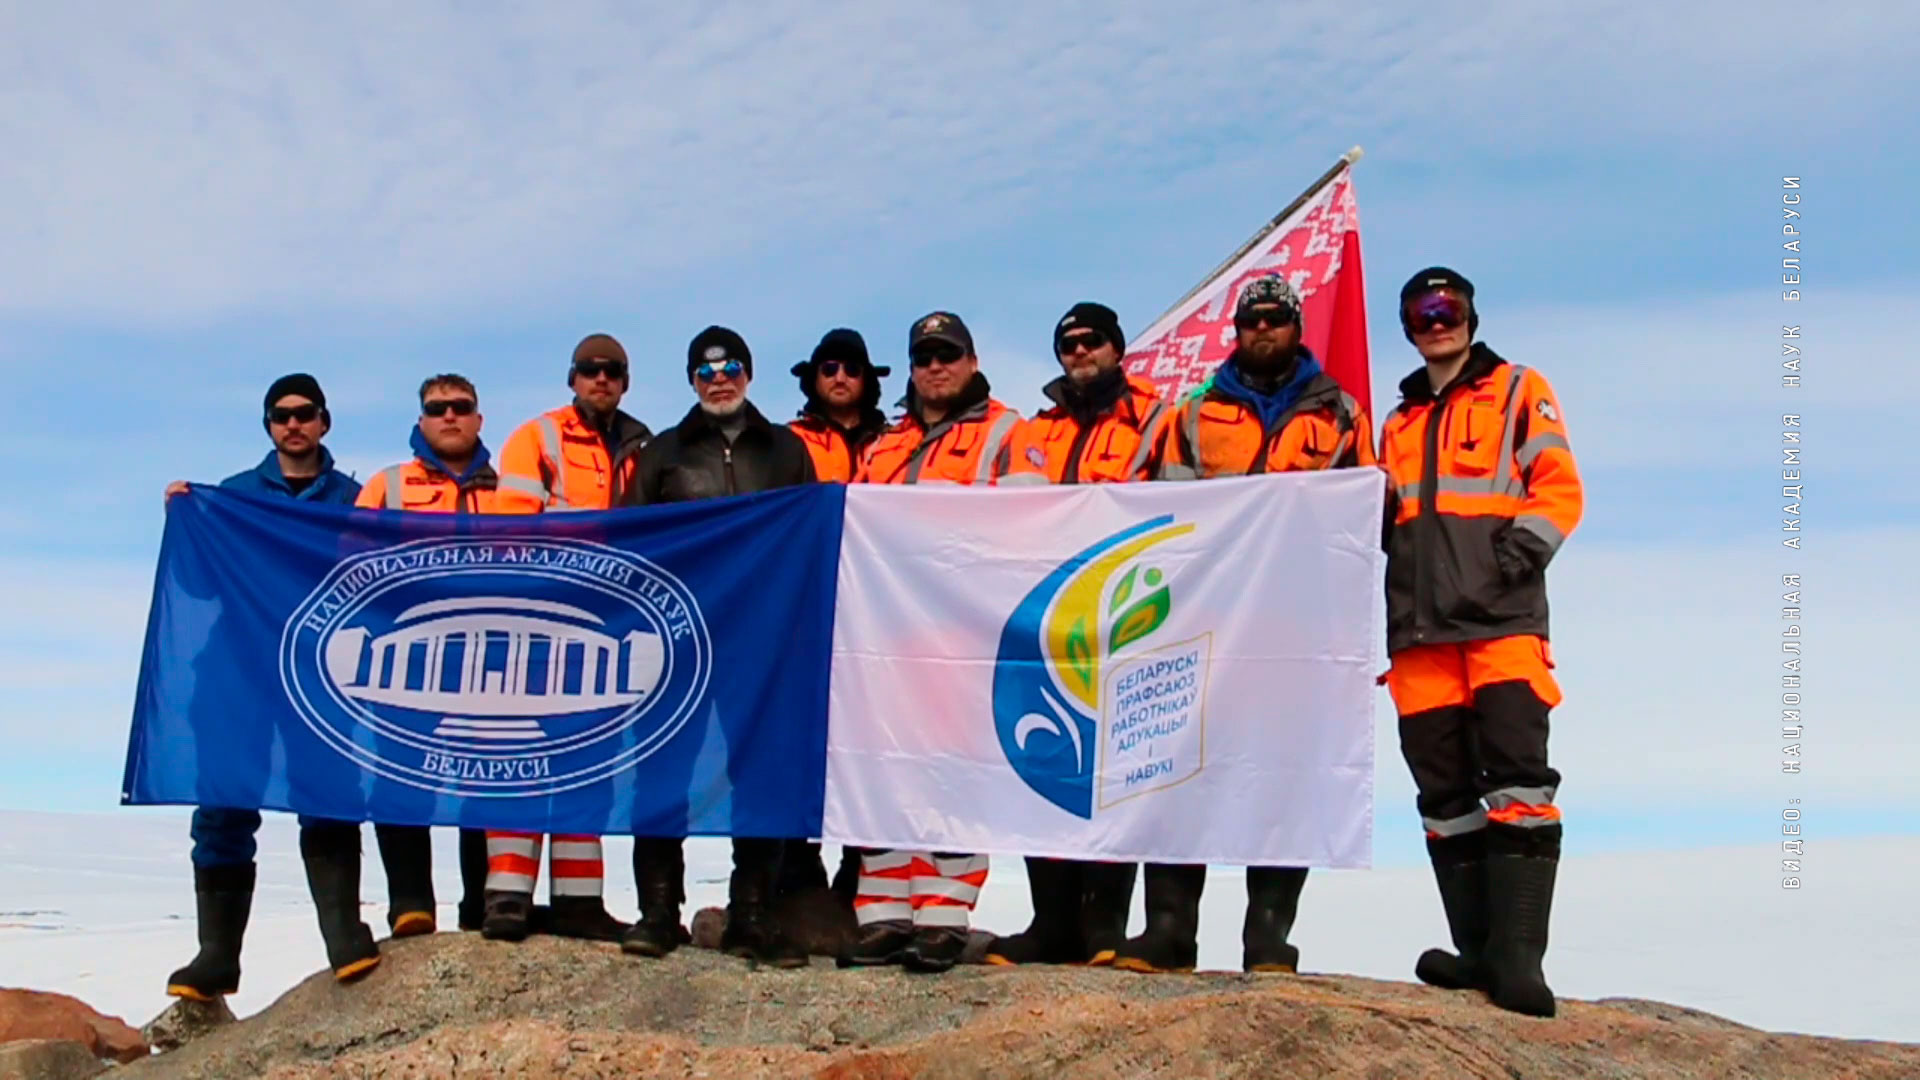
<point>332,856</point>
<point>1171,942</point>
<point>1273,900</point>
<point>223,898</point>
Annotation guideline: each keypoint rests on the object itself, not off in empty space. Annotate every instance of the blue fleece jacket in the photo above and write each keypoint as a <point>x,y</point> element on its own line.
<point>331,486</point>
<point>1269,407</point>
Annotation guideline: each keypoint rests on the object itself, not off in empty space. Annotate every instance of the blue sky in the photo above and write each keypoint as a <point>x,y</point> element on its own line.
<point>202,199</point>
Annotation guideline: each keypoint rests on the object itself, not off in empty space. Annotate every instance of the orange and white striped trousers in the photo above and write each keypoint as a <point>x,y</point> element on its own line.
<point>575,862</point>
<point>920,887</point>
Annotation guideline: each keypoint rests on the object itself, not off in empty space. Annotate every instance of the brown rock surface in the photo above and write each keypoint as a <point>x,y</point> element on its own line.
<point>453,1005</point>
<point>48,1059</point>
<point>35,1014</point>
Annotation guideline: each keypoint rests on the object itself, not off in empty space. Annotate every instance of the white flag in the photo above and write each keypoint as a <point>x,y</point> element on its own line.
<point>1173,672</point>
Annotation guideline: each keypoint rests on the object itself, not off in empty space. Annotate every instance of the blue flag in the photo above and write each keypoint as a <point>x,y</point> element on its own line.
<point>658,671</point>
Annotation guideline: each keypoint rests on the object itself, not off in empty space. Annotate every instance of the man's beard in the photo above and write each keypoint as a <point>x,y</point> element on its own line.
<point>724,409</point>
<point>1267,357</point>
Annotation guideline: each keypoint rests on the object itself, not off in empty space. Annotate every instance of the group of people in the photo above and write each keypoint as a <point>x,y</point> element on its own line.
<point>1482,490</point>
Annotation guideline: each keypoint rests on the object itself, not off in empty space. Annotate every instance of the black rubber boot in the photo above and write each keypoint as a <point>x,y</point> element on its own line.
<point>1520,879</point>
<point>659,873</point>
<point>332,856</point>
<point>508,916</point>
<point>1171,942</point>
<point>879,943</point>
<point>473,878</point>
<point>1460,870</point>
<point>934,949</point>
<point>223,898</point>
<point>751,932</point>
<point>846,880</point>
<point>1054,935</point>
<point>1106,897</point>
<point>406,852</point>
<point>585,918</point>
<point>1273,901</point>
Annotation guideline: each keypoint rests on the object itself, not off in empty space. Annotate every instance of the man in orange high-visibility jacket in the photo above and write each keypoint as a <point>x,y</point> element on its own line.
<point>841,418</point>
<point>953,430</point>
<point>450,473</point>
<point>913,906</point>
<point>1269,408</point>
<point>580,457</point>
<point>1104,424</point>
<point>842,415</point>
<point>1482,492</point>
<point>1103,427</point>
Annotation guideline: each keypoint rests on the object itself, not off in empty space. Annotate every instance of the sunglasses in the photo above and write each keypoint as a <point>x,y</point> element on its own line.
<point>853,368</point>
<point>306,414</point>
<point>1260,317</point>
<point>443,406</point>
<point>943,353</point>
<point>732,369</point>
<point>1436,311</point>
<point>1089,340</point>
<point>613,369</point>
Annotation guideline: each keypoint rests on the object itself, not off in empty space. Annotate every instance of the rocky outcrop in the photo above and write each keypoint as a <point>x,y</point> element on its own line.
<point>453,1005</point>
<point>37,1015</point>
<point>48,1059</point>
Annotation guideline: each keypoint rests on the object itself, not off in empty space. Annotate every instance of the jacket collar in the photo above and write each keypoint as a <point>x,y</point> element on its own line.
<point>482,460</point>
<point>622,433</point>
<point>270,474</point>
<point>1417,389</point>
<point>1095,399</point>
<point>1307,382</point>
<point>872,420</point>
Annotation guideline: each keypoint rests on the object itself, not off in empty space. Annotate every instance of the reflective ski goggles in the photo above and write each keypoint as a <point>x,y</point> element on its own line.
<point>1436,310</point>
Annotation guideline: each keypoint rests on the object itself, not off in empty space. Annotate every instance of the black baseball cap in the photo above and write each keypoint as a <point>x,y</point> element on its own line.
<point>941,326</point>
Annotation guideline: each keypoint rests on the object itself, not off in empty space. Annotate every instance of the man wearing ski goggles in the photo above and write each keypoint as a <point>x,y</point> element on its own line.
<point>1482,492</point>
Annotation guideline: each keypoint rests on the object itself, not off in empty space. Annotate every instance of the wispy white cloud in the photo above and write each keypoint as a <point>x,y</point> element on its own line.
<point>185,164</point>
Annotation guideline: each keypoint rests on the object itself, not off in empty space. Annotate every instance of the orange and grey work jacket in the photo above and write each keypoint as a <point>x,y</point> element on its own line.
<point>1107,435</point>
<point>971,445</point>
<point>1216,433</point>
<point>558,461</point>
<point>1482,492</point>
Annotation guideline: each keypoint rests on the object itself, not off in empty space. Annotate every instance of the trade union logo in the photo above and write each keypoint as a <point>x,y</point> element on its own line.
<point>496,666</point>
<point>1091,707</point>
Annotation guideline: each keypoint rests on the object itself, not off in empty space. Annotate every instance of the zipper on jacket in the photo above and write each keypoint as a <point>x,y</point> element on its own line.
<point>726,457</point>
<point>1072,473</point>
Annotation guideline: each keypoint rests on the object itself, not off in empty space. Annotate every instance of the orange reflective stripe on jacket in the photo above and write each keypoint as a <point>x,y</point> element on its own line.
<point>1214,434</point>
<point>972,448</point>
<point>556,462</point>
<point>1120,445</point>
<point>1487,456</point>
<point>414,486</point>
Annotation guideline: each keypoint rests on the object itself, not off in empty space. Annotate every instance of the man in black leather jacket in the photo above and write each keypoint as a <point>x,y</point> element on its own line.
<point>723,446</point>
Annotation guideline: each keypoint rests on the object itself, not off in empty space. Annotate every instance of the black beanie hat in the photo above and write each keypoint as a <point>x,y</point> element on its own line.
<point>717,344</point>
<point>299,383</point>
<point>1438,277</point>
<point>600,347</point>
<point>1087,315</point>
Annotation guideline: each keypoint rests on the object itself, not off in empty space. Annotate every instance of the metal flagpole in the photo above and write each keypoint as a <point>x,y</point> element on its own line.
<point>1346,160</point>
